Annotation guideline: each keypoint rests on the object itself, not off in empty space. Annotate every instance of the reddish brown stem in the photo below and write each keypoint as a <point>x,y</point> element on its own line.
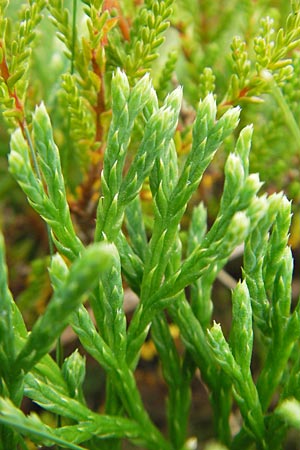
<point>243,93</point>
<point>123,22</point>
<point>4,71</point>
<point>3,66</point>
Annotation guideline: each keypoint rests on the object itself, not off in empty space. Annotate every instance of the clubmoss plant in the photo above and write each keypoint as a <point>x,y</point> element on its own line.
<point>121,136</point>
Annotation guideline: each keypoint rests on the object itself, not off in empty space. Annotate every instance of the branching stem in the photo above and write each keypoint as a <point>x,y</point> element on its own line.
<point>286,111</point>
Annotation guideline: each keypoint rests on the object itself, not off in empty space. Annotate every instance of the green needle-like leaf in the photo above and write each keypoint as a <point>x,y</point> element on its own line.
<point>241,337</point>
<point>31,426</point>
<point>83,276</point>
<point>52,206</point>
